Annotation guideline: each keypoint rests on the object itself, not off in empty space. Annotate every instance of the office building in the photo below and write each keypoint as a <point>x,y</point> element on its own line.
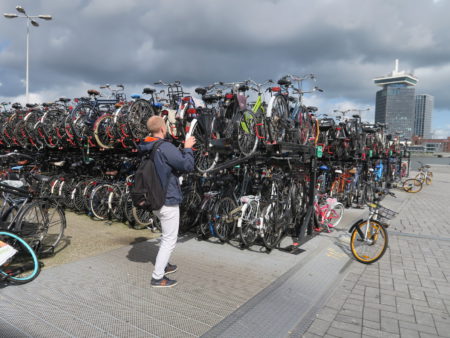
<point>395,102</point>
<point>423,113</point>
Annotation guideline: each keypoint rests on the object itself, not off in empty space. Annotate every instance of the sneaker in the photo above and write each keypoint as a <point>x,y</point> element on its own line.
<point>170,268</point>
<point>163,282</point>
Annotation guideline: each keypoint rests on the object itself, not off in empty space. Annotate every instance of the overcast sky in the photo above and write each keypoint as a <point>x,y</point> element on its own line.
<point>345,43</point>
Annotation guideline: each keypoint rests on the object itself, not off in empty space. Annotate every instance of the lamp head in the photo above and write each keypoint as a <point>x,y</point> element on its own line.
<point>45,17</point>
<point>10,16</point>
<point>20,9</point>
<point>34,23</point>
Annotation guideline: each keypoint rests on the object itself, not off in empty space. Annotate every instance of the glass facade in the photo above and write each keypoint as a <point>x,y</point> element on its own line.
<point>423,114</point>
<point>395,106</point>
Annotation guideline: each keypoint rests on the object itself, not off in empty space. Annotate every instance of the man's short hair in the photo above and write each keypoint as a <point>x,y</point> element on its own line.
<point>155,123</point>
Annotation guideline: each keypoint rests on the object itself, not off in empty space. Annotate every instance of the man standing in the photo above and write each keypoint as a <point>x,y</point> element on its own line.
<point>170,163</point>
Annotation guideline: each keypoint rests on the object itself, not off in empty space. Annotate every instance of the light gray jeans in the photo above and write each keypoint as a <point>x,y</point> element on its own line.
<point>169,215</point>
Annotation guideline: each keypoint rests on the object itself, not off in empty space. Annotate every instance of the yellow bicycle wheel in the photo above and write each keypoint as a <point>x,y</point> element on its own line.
<point>368,249</point>
<point>412,185</point>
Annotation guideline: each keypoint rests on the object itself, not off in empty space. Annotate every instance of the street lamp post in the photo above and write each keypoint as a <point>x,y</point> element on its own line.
<point>30,19</point>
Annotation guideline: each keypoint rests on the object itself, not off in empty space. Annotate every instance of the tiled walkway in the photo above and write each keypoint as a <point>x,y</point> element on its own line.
<point>407,293</point>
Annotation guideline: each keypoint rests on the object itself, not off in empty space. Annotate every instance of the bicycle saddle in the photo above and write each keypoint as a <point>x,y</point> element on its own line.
<point>31,105</point>
<point>93,92</point>
<point>427,166</point>
<point>200,91</point>
<point>112,172</point>
<point>64,99</point>
<point>42,178</point>
<point>135,96</point>
<point>148,90</point>
<point>58,164</point>
<point>157,105</point>
<point>243,88</point>
<point>312,109</point>
<point>338,171</point>
<point>16,105</point>
<point>284,82</point>
<point>324,167</point>
<point>211,98</point>
<point>18,167</point>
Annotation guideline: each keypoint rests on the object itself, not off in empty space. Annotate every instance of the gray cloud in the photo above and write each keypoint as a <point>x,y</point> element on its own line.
<point>346,43</point>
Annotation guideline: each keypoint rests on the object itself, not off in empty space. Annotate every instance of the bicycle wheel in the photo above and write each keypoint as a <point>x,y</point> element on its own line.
<point>24,266</point>
<point>115,204</point>
<point>77,196</point>
<point>421,177</point>
<point>223,227</point>
<point>273,225</point>
<point>277,123</point>
<point>205,158</point>
<point>56,224</point>
<point>98,201</point>
<point>104,131</point>
<point>127,207</point>
<point>42,223</point>
<point>138,114</point>
<point>412,185</point>
<point>334,215</point>
<point>304,128</point>
<point>247,224</point>
<point>145,219</point>
<point>368,250</point>
<point>424,178</point>
<point>80,119</point>
<point>189,210</point>
<point>247,138</point>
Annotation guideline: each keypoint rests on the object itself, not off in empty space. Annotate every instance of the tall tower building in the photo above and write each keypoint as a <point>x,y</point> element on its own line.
<point>424,110</point>
<point>395,102</point>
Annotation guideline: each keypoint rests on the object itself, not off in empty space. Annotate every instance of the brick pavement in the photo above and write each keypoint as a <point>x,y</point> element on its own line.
<point>406,293</point>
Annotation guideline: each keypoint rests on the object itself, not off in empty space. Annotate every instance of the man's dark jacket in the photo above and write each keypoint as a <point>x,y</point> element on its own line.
<point>170,163</point>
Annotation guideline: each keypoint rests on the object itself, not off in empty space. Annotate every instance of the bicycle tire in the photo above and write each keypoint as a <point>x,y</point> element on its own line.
<point>7,270</point>
<point>115,203</point>
<point>335,214</point>
<point>277,123</point>
<point>138,114</point>
<point>103,131</point>
<point>223,228</point>
<point>39,224</point>
<point>189,210</point>
<point>424,178</point>
<point>412,186</point>
<point>98,201</point>
<point>247,232</point>
<point>356,235</point>
<point>273,228</point>
<point>143,218</point>
<point>247,138</point>
<point>205,159</point>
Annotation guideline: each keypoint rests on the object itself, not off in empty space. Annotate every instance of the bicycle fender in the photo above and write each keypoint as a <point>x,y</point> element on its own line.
<point>244,208</point>
<point>270,106</point>
<point>354,225</point>
<point>191,128</point>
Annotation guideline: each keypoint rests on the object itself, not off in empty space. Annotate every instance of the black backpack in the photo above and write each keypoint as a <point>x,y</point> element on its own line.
<point>147,191</point>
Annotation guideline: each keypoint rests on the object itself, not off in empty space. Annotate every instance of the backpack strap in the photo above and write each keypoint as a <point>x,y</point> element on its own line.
<point>152,157</point>
<point>155,148</point>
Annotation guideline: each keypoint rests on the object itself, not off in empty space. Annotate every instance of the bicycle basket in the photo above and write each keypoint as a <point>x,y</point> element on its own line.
<point>386,213</point>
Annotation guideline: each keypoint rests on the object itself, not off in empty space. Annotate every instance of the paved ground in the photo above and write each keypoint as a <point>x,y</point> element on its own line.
<point>85,237</point>
<point>407,293</point>
<point>227,292</point>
